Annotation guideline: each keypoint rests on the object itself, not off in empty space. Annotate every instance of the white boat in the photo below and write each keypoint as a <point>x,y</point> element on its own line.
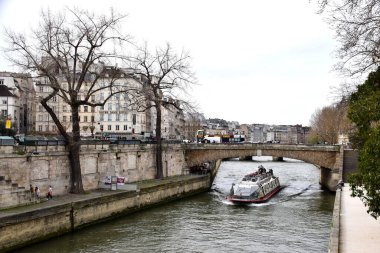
<point>256,187</point>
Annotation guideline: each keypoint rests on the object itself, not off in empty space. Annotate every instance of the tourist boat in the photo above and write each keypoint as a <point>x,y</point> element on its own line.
<point>256,187</point>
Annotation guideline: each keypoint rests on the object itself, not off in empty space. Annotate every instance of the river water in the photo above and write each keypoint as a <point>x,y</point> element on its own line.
<point>297,219</point>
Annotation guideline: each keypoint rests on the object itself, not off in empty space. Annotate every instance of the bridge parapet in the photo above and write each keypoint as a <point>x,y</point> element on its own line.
<point>192,146</point>
<point>316,154</point>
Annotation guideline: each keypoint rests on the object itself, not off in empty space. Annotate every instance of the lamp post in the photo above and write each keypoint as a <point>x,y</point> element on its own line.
<point>101,133</point>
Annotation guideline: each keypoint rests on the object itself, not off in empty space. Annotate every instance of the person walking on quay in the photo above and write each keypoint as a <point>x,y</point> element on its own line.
<point>49,194</point>
<point>31,192</point>
<point>37,192</point>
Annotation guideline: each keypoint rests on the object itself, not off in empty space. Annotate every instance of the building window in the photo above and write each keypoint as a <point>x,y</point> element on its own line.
<point>125,127</point>
<point>117,117</point>
<point>40,108</point>
<point>40,128</point>
<point>109,117</point>
<point>109,127</point>
<point>92,98</point>
<point>54,128</point>
<point>71,118</point>
<point>85,108</point>
<point>92,118</point>
<point>64,119</point>
<point>134,119</point>
<point>92,108</point>
<point>64,108</point>
<point>54,99</point>
<point>85,119</point>
<point>40,117</point>
<point>4,112</point>
<point>4,102</point>
<point>117,128</point>
<point>47,128</point>
<point>1,81</point>
<point>41,90</point>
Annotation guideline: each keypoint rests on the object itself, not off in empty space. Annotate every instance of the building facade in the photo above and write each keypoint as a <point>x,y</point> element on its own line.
<point>18,101</point>
<point>116,118</point>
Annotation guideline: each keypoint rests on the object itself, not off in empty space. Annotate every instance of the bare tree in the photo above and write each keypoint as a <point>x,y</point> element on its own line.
<point>165,76</point>
<point>356,25</point>
<point>71,50</point>
<point>330,121</point>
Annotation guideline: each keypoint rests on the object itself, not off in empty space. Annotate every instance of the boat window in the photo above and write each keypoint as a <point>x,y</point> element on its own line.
<point>245,191</point>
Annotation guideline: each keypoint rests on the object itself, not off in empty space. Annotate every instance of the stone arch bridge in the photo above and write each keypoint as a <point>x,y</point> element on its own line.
<point>328,158</point>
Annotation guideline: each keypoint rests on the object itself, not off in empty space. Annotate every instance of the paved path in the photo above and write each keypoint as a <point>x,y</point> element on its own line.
<point>55,201</point>
<point>359,232</point>
<point>68,198</point>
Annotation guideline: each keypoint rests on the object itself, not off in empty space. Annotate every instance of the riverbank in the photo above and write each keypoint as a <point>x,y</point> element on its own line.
<point>359,231</point>
<point>24,225</point>
<point>353,229</point>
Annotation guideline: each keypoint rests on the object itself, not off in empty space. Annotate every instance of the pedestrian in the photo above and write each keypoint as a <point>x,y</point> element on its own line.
<point>340,185</point>
<point>37,193</point>
<point>49,194</point>
<point>31,192</point>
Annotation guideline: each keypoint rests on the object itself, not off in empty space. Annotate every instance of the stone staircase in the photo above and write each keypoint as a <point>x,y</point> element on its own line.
<point>13,195</point>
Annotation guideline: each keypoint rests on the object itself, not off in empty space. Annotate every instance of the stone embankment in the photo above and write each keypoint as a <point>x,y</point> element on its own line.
<point>43,166</point>
<point>24,225</point>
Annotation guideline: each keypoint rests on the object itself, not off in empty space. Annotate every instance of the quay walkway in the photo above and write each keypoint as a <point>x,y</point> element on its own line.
<point>7,214</point>
<point>359,231</point>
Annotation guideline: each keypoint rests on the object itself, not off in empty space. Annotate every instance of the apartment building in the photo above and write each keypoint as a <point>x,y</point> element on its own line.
<point>115,118</point>
<point>18,101</point>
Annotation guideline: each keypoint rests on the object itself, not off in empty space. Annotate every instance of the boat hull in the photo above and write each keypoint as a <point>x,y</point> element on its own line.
<point>257,200</point>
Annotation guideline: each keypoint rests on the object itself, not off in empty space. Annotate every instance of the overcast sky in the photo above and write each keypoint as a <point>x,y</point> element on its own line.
<point>256,61</point>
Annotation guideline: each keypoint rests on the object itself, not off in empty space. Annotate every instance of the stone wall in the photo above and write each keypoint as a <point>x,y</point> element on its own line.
<point>50,166</point>
<point>350,164</point>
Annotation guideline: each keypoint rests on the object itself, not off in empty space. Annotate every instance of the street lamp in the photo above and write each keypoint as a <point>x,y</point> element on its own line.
<point>101,133</point>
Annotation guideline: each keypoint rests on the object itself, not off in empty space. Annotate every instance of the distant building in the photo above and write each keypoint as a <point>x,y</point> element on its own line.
<point>193,122</point>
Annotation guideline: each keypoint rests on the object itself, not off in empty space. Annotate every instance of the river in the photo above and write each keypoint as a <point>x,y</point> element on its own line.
<point>297,219</point>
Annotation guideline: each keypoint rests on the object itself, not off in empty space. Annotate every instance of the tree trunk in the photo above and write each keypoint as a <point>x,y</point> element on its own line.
<point>74,154</point>
<point>159,169</point>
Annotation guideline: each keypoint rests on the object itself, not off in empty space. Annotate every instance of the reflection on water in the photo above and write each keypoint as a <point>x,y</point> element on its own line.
<point>297,219</point>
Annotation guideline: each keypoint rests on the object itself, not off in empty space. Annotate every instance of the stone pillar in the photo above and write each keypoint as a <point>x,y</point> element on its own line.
<point>330,177</point>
